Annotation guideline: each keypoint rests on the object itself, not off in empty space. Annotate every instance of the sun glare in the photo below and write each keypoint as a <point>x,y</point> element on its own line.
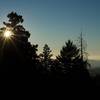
<point>8,34</point>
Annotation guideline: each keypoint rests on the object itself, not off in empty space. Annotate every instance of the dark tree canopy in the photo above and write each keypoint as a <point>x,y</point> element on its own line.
<point>71,61</point>
<point>45,57</point>
<point>17,54</point>
<point>69,53</point>
<point>17,50</point>
<point>14,19</point>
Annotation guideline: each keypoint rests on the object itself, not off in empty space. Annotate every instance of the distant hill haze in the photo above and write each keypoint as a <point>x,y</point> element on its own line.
<point>94,63</point>
<point>95,67</point>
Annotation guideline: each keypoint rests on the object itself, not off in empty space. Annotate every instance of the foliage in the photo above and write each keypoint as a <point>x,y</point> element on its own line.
<point>45,58</point>
<point>71,61</point>
<point>17,51</point>
<point>17,54</point>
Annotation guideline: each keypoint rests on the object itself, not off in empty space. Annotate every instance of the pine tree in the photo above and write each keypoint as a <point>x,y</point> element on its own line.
<point>72,62</point>
<point>15,50</point>
<point>68,54</point>
<point>46,57</point>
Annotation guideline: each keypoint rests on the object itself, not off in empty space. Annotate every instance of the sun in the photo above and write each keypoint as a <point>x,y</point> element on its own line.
<point>8,34</point>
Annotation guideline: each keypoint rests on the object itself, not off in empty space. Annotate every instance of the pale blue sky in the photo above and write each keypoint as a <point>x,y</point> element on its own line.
<point>55,21</point>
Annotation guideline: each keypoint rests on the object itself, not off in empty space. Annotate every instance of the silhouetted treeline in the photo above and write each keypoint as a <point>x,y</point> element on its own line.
<point>17,54</point>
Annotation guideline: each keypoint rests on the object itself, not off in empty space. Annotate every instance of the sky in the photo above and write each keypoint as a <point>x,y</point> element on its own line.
<point>55,21</point>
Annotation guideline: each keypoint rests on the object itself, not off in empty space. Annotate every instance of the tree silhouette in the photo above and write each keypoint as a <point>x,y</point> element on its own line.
<point>68,54</point>
<point>45,57</point>
<point>72,63</point>
<point>14,19</point>
<point>16,53</point>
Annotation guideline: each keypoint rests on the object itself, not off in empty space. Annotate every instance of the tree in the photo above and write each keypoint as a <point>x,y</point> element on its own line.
<point>46,57</point>
<point>35,58</point>
<point>16,52</point>
<point>68,54</point>
<point>72,61</point>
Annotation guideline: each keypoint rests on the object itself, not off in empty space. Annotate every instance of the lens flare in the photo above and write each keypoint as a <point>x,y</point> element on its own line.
<point>8,34</point>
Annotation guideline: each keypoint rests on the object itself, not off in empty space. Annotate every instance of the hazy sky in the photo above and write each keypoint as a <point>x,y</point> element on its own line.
<point>55,21</point>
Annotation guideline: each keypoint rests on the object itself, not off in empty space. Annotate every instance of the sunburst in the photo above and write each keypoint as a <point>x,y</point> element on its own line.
<point>8,34</point>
